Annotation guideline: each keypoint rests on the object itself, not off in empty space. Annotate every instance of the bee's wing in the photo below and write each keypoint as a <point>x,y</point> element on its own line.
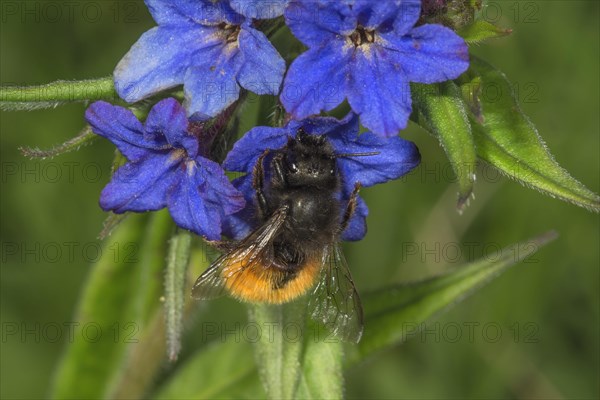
<point>211,283</point>
<point>335,301</point>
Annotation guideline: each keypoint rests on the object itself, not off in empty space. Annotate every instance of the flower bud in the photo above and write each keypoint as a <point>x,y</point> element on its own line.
<point>452,13</point>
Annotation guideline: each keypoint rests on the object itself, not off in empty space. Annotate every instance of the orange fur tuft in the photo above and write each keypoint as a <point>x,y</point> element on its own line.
<point>257,283</point>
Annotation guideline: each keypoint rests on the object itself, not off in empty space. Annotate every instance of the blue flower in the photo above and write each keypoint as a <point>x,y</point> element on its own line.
<point>366,51</point>
<point>262,9</point>
<point>394,157</point>
<point>166,168</point>
<point>206,46</point>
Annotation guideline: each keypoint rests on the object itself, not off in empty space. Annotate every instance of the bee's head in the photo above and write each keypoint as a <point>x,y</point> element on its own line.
<point>310,161</point>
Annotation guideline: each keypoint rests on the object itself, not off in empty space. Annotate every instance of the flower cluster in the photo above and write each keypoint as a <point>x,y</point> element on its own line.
<point>365,52</point>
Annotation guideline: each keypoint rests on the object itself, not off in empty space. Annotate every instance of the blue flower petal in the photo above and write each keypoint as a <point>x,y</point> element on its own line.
<point>211,86</point>
<point>373,14</point>
<point>190,211</point>
<point>317,23</point>
<point>194,204</point>
<point>168,118</point>
<point>430,53</point>
<point>357,226</point>
<point>179,12</point>
<point>396,157</point>
<point>121,127</point>
<point>160,58</point>
<point>222,195</point>
<point>407,16</point>
<point>379,92</point>
<point>239,225</point>
<point>329,126</point>
<point>141,186</point>
<point>317,80</point>
<point>261,9</point>
<point>246,150</point>
<point>263,68</point>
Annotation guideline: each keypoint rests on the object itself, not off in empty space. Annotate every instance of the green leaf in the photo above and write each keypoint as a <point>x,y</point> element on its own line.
<point>144,360</point>
<point>470,87</point>
<point>93,353</point>
<point>393,314</point>
<point>506,139</point>
<point>121,292</point>
<point>85,137</point>
<point>218,370</point>
<point>17,98</point>
<point>442,112</point>
<point>150,267</point>
<point>278,352</point>
<point>322,376</point>
<point>481,30</point>
<point>175,279</point>
<point>146,356</point>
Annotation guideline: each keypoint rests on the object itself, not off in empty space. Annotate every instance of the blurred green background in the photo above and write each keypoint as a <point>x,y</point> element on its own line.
<point>532,333</point>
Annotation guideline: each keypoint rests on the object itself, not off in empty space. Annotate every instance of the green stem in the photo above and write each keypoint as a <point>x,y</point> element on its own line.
<point>85,136</point>
<point>61,91</point>
<point>279,353</point>
<point>177,262</point>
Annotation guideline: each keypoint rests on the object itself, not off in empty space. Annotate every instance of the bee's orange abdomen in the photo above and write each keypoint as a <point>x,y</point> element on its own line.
<point>258,283</point>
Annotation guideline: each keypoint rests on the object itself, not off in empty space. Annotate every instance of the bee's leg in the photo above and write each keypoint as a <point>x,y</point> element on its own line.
<point>224,246</point>
<point>278,168</point>
<point>258,181</point>
<point>351,207</point>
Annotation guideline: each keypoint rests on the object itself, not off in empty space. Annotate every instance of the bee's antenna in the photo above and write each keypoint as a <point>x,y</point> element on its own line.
<point>373,153</point>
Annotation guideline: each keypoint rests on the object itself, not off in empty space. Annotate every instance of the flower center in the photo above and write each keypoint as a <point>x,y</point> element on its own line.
<point>230,32</point>
<point>362,35</point>
<point>178,154</point>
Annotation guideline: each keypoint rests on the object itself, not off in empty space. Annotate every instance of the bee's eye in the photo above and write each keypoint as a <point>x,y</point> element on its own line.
<point>293,168</point>
<point>332,171</point>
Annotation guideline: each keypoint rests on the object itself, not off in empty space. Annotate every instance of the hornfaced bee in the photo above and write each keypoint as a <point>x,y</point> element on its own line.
<point>296,247</point>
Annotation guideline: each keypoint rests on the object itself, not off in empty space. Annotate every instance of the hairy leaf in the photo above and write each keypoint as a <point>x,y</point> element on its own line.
<point>508,140</point>
<point>442,112</point>
<point>220,370</point>
<point>322,364</point>
<point>480,30</point>
<point>118,300</point>
<point>392,314</point>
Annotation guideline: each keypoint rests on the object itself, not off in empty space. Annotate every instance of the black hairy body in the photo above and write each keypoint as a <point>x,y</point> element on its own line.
<point>304,177</point>
<point>295,246</point>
